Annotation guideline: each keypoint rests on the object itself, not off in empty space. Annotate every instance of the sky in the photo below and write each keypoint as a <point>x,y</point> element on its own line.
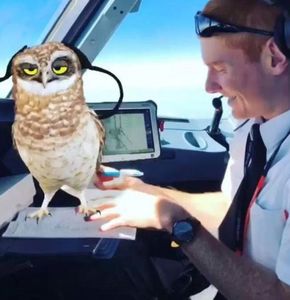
<point>25,22</point>
<point>154,52</point>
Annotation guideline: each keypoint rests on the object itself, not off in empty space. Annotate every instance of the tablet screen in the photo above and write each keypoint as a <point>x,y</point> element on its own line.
<point>132,133</point>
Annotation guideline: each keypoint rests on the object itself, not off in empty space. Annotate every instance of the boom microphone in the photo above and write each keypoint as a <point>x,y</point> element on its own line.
<point>217,104</point>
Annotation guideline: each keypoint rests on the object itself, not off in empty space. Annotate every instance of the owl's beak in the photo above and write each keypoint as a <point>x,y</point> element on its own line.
<point>44,79</point>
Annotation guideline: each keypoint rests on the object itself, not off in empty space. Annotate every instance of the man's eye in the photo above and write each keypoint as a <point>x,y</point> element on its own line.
<point>220,69</point>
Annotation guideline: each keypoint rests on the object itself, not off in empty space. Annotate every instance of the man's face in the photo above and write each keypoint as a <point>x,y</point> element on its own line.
<point>231,74</point>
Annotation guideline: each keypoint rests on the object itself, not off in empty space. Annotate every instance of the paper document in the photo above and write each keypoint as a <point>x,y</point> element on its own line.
<point>64,222</point>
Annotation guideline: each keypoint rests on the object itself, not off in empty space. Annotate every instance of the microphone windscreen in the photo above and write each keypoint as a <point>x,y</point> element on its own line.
<point>217,103</point>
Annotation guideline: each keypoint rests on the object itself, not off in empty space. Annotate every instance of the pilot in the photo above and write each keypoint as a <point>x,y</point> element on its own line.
<point>245,45</point>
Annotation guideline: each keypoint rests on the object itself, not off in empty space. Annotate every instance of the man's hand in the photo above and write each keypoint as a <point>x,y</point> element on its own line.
<point>118,183</point>
<point>137,209</point>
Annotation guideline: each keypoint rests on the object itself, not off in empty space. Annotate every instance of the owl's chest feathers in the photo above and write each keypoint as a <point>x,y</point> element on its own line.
<point>61,157</point>
<point>37,124</point>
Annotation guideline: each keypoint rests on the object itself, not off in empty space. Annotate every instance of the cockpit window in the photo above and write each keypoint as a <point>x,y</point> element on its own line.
<point>156,54</point>
<point>24,23</point>
<point>154,51</point>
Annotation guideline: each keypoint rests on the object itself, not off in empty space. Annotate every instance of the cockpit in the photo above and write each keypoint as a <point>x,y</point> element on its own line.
<point>167,126</point>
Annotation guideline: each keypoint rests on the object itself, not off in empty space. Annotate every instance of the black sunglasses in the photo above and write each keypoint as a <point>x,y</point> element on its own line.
<point>206,26</point>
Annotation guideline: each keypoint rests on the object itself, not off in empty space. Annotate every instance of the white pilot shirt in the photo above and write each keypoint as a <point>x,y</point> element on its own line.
<point>268,235</point>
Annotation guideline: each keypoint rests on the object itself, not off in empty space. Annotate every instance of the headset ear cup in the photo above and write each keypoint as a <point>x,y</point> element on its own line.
<point>279,35</point>
<point>287,34</point>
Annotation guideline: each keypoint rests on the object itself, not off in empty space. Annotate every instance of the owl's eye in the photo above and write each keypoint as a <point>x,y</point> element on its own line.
<point>60,66</point>
<point>30,71</point>
<point>59,70</point>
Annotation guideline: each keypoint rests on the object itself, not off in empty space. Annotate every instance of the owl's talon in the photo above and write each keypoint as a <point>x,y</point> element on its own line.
<point>87,211</point>
<point>39,214</point>
<point>82,209</point>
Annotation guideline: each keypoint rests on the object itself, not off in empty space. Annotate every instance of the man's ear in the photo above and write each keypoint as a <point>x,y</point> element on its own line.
<point>276,61</point>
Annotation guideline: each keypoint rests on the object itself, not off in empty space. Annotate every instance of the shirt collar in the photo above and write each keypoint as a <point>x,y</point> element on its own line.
<point>274,130</point>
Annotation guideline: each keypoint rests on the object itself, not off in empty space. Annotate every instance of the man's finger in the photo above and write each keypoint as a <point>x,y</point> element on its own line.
<point>105,213</point>
<point>114,183</point>
<point>114,223</point>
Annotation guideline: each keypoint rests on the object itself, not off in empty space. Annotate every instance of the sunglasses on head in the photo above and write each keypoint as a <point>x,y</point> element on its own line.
<point>206,26</point>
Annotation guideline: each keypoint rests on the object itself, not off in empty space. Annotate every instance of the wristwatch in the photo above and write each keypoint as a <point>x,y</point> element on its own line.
<point>184,231</point>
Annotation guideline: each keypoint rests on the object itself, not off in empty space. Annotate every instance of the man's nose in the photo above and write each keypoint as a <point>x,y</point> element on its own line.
<point>212,85</point>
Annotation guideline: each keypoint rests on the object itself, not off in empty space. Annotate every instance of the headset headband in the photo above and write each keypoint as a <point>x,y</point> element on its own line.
<point>284,4</point>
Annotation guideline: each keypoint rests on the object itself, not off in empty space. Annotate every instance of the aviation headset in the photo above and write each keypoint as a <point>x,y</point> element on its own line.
<point>282,26</point>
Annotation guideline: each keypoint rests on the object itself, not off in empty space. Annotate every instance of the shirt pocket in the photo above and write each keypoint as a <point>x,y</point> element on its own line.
<point>264,234</point>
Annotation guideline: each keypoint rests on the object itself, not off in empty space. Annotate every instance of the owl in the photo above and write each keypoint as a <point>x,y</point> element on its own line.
<point>57,136</point>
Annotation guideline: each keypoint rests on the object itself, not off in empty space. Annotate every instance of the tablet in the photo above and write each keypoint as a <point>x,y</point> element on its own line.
<point>132,133</point>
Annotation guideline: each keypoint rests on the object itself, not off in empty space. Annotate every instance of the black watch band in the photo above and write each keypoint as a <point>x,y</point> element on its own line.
<point>184,231</point>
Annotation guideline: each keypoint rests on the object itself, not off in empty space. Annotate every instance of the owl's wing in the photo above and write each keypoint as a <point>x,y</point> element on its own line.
<point>101,136</point>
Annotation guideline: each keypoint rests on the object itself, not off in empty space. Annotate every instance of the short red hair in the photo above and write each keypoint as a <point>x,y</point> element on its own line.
<point>251,13</point>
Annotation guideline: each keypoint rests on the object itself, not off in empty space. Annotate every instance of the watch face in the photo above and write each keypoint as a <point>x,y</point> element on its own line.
<point>183,231</point>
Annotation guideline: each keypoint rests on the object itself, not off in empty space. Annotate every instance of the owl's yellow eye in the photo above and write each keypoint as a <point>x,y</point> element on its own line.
<point>30,71</point>
<point>60,70</point>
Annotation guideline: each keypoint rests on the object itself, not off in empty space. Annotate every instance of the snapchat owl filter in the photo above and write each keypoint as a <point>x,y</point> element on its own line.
<point>31,70</point>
